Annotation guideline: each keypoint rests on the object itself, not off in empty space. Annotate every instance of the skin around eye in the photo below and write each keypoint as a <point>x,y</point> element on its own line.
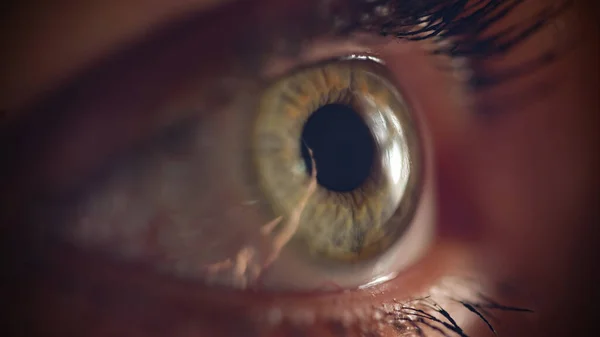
<point>517,192</point>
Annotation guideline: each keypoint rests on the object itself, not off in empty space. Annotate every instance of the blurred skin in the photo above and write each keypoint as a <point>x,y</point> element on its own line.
<point>519,190</point>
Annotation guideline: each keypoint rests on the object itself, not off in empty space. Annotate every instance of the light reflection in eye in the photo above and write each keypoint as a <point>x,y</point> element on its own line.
<point>378,280</point>
<point>398,165</point>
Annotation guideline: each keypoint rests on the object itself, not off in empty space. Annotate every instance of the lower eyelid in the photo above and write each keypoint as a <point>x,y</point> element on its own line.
<point>113,292</point>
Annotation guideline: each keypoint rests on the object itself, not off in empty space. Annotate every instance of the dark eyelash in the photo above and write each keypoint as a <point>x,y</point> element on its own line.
<point>462,29</point>
<point>424,314</point>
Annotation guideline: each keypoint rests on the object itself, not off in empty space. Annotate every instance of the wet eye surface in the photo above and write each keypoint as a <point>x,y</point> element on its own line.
<point>319,190</point>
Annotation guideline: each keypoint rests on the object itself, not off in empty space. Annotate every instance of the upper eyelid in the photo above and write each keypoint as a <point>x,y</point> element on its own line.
<point>194,22</point>
<point>139,81</point>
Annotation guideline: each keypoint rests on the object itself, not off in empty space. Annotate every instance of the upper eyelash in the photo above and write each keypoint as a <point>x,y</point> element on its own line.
<point>459,26</point>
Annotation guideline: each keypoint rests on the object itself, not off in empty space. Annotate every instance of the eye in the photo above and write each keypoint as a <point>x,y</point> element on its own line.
<point>317,187</point>
<point>345,122</point>
<point>215,185</point>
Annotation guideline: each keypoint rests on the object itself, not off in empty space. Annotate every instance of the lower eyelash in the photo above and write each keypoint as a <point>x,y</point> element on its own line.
<point>425,316</point>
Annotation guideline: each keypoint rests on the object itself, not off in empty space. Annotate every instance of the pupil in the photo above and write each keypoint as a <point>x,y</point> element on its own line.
<point>342,145</point>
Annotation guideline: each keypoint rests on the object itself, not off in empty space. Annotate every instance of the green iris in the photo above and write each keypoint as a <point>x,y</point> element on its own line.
<point>366,151</point>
